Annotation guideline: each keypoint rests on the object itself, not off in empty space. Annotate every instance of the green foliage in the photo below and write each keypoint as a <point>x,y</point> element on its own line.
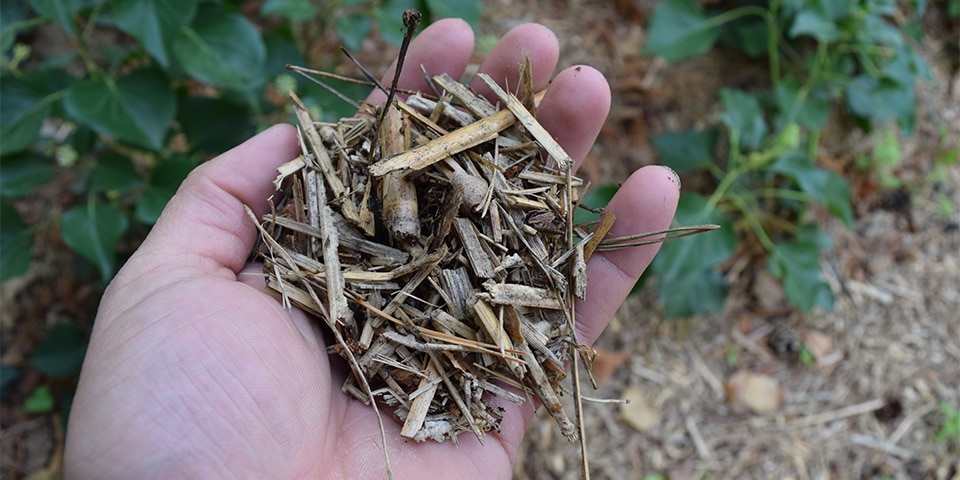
<point>16,242</point>
<point>687,268</point>
<point>61,352</point>
<point>197,72</point>
<point>679,29</point>
<point>40,401</point>
<point>127,122</point>
<point>950,430</point>
<point>886,156</point>
<point>807,357</point>
<point>821,55</point>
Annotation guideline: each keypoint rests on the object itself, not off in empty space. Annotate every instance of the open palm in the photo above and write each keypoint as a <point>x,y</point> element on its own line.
<point>193,371</point>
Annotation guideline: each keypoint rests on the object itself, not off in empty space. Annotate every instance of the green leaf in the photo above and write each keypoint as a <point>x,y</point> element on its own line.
<point>166,179</point>
<point>115,173</point>
<point>882,99</point>
<point>679,29</point>
<point>703,292</point>
<point>353,29</point>
<point>951,424</point>
<point>282,49</point>
<point>686,268</point>
<point>468,10</point>
<point>389,17</point>
<point>22,173</point>
<point>809,109</point>
<point>699,252</point>
<point>40,401</point>
<point>876,30</point>
<point>685,150</point>
<point>815,23</point>
<point>797,265</point>
<point>597,197</point>
<point>8,375</point>
<point>154,22</point>
<point>23,107</point>
<point>16,242</point>
<point>293,10</point>
<point>220,48</point>
<point>136,108</point>
<point>150,204</point>
<point>822,186</point>
<point>743,117</point>
<point>60,11</point>
<point>93,231</point>
<point>214,125</point>
<point>11,16</point>
<point>748,34</point>
<point>61,352</point>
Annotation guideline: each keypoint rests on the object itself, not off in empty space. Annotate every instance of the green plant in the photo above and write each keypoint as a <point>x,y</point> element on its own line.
<point>820,55</point>
<point>146,90</point>
<point>950,430</point>
<point>132,119</point>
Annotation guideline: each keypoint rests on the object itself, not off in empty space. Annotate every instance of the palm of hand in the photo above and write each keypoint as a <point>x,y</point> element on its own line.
<point>194,371</point>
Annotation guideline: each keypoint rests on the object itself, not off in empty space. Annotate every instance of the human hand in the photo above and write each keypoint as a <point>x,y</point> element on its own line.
<point>194,371</point>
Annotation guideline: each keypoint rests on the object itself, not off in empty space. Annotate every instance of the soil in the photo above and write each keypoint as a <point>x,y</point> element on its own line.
<point>888,355</point>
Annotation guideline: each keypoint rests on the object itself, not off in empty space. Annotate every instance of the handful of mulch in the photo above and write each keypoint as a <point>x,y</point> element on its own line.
<point>435,238</point>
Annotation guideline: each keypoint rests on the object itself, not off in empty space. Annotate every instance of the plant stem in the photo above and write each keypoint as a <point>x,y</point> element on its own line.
<point>773,39</point>
<point>748,215</point>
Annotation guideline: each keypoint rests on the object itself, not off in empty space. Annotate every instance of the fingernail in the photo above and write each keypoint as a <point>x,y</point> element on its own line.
<point>675,178</point>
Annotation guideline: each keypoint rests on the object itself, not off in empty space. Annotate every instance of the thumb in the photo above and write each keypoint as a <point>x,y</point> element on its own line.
<point>204,222</point>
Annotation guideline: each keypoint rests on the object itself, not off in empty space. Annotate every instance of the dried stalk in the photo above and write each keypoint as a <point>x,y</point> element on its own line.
<point>437,244</point>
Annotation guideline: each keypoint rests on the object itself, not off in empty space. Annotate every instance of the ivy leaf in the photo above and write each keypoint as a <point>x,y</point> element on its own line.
<point>21,174</point>
<point>214,125</point>
<point>389,17</point>
<point>154,22</point>
<point>743,117</point>
<point>23,107</point>
<point>679,29</point>
<point>16,242</point>
<point>468,10</point>
<point>293,10</point>
<point>808,109</point>
<point>61,352</point>
<point>685,150</point>
<point>166,179</point>
<point>815,22</point>
<point>688,265</point>
<point>115,173</point>
<point>797,265</point>
<point>748,34</point>
<point>353,29</point>
<point>60,11</point>
<point>876,30</point>
<point>220,48</point>
<point>823,186</point>
<point>93,230</point>
<point>679,301</point>
<point>40,401</point>
<point>882,99</point>
<point>8,375</point>
<point>11,14</point>
<point>136,108</point>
